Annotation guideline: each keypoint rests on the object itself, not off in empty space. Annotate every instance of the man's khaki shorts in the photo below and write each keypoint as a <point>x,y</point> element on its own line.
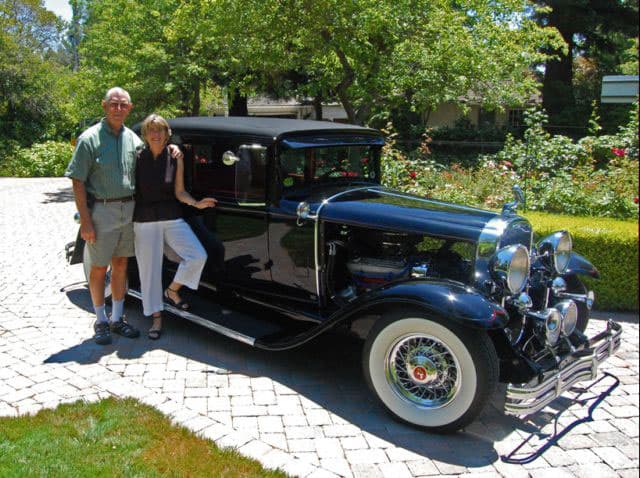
<point>114,232</point>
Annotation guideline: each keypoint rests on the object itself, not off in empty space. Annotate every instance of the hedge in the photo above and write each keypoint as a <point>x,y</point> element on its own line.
<point>611,245</point>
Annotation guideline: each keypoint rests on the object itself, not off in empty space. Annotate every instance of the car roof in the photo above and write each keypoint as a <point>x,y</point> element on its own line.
<point>268,127</point>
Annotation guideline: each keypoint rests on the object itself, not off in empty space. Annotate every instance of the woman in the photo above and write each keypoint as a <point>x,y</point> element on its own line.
<point>157,220</point>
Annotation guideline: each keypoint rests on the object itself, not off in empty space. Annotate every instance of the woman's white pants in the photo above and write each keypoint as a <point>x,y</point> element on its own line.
<point>150,239</point>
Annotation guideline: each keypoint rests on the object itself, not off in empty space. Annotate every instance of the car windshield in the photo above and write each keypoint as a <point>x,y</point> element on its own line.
<point>303,167</point>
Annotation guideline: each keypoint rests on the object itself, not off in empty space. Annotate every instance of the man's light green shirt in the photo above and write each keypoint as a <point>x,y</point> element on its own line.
<point>105,162</point>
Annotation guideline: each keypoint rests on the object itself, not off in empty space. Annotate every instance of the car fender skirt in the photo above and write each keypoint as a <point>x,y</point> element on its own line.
<point>447,300</point>
<point>580,265</point>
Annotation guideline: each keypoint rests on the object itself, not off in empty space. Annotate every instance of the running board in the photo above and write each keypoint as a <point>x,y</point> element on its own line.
<point>221,329</point>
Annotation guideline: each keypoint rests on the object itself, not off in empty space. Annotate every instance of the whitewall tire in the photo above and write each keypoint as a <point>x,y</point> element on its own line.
<point>430,374</point>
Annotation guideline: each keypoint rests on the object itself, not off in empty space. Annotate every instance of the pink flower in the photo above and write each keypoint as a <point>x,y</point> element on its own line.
<point>508,164</point>
<point>413,175</point>
<point>618,151</point>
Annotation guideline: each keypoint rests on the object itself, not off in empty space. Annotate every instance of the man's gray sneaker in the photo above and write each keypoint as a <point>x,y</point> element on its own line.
<point>102,335</point>
<point>122,327</point>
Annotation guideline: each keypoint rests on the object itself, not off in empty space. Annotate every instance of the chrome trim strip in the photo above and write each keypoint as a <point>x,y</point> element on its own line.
<point>202,321</point>
<point>522,399</point>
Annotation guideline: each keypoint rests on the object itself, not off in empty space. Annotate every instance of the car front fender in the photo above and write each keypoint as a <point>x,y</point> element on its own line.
<point>580,265</point>
<point>447,300</point>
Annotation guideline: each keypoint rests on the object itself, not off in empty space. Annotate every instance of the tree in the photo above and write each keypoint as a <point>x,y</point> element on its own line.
<point>598,30</point>
<point>373,54</point>
<point>33,87</point>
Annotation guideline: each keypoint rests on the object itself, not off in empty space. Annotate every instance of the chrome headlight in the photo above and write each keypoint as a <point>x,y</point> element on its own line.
<point>557,247</point>
<point>569,312</point>
<point>553,326</point>
<point>510,267</point>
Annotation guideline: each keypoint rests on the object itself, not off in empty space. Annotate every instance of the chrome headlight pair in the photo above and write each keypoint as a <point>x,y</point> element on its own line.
<point>561,318</point>
<point>510,267</point>
<point>556,250</point>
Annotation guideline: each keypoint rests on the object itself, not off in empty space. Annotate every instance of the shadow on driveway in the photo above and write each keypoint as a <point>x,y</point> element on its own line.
<point>61,195</point>
<point>326,371</point>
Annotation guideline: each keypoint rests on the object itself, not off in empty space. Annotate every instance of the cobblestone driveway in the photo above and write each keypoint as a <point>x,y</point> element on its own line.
<point>307,410</point>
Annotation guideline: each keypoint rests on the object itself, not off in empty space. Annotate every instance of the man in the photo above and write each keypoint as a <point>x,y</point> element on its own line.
<point>103,168</point>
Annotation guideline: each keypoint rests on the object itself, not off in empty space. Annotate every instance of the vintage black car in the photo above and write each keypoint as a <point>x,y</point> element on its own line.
<point>448,299</point>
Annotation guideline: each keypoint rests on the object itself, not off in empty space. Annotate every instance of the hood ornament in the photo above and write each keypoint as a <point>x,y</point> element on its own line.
<point>509,209</point>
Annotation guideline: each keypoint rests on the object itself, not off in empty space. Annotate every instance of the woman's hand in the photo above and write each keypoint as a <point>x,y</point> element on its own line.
<point>175,152</point>
<point>205,203</point>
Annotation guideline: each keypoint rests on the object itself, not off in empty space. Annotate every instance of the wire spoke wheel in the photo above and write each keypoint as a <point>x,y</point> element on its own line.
<point>423,370</point>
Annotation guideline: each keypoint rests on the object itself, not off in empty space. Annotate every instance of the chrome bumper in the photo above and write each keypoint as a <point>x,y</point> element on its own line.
<point>525,399</point>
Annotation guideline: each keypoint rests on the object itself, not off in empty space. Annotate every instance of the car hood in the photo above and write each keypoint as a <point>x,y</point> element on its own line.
<point>388,209</point>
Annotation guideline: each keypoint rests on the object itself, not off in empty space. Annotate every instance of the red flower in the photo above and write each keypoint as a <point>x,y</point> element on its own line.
<point>635,199</point>
<point>413,175</point>
<point>364,160</point>
<point>618,151</point>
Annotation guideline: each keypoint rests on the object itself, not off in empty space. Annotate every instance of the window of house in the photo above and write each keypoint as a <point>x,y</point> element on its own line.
<point>516,118</point>
<point>486,118</point>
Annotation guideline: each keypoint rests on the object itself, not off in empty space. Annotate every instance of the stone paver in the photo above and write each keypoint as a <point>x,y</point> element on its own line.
<point>282,409</point>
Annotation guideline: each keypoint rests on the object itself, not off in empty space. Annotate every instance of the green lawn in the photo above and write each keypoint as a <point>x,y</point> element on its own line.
<point>112,438</point>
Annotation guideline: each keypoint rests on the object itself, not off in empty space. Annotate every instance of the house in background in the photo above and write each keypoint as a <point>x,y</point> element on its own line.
<point>445,115</point>
<point>619,89</point>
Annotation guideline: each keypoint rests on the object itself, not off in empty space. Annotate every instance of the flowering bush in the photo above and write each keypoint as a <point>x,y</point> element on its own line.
<point>596,176</point>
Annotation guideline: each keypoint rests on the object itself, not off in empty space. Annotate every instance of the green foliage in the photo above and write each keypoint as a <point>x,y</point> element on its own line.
<point>370,55</point>
<point>40,160</point>
<point>597,176</point>
<point>464,130</point>
<point>34,87</point>
<point>610,245</point>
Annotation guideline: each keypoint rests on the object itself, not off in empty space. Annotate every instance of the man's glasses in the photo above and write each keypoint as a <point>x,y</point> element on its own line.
<point>114,105</point>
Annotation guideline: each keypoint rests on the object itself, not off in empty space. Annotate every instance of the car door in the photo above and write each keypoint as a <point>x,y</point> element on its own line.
<point>235,231</point>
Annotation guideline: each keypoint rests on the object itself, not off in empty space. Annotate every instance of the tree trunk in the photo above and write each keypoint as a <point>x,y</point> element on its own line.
<point>317,106</point>
<point>557,87</point>
<point>195,106</point>
<point>238,105</point>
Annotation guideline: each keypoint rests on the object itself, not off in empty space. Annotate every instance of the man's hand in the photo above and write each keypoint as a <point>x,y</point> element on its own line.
<point>87,232</point>
<point>175,152</point>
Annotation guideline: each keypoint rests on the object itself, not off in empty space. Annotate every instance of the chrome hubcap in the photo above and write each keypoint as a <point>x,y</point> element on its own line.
<point>423,371</point>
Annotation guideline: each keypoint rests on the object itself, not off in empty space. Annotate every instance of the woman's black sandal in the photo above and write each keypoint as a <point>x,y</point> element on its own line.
<point>182,305</point>
<point>154,334</point>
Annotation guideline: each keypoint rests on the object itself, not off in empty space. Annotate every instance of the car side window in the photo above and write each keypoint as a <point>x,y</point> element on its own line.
<point>251,175</point>
<point>210,177</point>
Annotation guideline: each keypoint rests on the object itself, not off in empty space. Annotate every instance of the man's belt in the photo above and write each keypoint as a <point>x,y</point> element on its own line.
<point>122,199</point>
